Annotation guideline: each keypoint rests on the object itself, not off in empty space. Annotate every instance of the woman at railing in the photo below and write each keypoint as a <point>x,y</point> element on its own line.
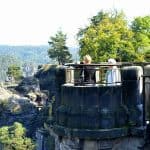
<point>113,74</point>
<point>87,72</point>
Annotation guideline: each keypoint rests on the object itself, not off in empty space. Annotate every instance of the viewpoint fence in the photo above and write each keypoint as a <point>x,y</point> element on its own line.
<point>117,75</point>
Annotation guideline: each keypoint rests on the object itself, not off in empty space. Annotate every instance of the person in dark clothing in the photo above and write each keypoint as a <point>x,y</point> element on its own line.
<point>88,72</point>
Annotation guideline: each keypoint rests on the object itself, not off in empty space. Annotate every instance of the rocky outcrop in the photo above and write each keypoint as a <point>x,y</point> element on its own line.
<point>16,108</point>
<point>50,77</point>
<point>28,84</point>
<point>4,94</point>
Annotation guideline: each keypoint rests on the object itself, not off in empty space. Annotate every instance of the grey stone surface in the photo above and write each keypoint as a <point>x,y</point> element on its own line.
<point>28,84</point>
<point>68,140</point>
<point>21,109</point>
<point>129,143</point>
<point>126,143</point>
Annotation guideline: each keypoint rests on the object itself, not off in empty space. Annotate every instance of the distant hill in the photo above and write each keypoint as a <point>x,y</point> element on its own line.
<point>26,56</point>
<point>34,54</point>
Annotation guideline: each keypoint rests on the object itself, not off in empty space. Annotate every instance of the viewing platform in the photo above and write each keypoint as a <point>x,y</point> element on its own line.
<point>108,111</point>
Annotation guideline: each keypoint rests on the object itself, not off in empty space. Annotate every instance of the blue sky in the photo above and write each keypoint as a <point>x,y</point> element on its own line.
<point>32,22</point>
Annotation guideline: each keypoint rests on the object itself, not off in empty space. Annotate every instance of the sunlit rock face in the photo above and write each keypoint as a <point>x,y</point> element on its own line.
<point>5,94</point>
<point>17,108</point>
<point>47,76</point>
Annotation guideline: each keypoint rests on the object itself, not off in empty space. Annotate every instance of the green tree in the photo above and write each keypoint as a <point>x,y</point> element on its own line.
<point>5,62</point>
<point>141,41</point>
<point>147,54</point>
<point>58,49</point>
<point>108,35</point>
<point>13,138</point>
<point>14,71</point>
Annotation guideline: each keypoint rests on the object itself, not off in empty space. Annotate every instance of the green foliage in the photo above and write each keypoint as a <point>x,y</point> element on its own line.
<point>142,25</point>
<point>5,62</point>
<point>13,138</point>
<point>14,71</point>
<point>108,36</point>
<point>58,49</point>
<point>147,54</point>
<point>141,41</point>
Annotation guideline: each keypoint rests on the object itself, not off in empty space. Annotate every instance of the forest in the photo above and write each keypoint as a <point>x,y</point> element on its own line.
<point>25,55</point>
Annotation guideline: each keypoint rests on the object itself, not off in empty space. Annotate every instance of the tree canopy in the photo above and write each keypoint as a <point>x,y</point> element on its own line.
<point>141,41</point>
<point>5,62</point>
<point>13,138</point>
<point>14,71</point>
<point>58,49</point>
<point>109,36</point>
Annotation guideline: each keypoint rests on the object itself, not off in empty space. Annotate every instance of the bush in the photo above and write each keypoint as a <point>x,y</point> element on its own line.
<point>13,138</point>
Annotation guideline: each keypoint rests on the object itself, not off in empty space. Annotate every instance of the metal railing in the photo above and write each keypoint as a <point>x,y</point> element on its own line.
<point>81,74</point>
<point>75,75</point>
<point>104,73</point>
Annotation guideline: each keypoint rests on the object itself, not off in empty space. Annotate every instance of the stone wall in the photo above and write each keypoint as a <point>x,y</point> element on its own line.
<point>48,140</point>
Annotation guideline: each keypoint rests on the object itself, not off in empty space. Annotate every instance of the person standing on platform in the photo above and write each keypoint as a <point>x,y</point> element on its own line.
<point>88,72</point>
<point>113,73</point>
